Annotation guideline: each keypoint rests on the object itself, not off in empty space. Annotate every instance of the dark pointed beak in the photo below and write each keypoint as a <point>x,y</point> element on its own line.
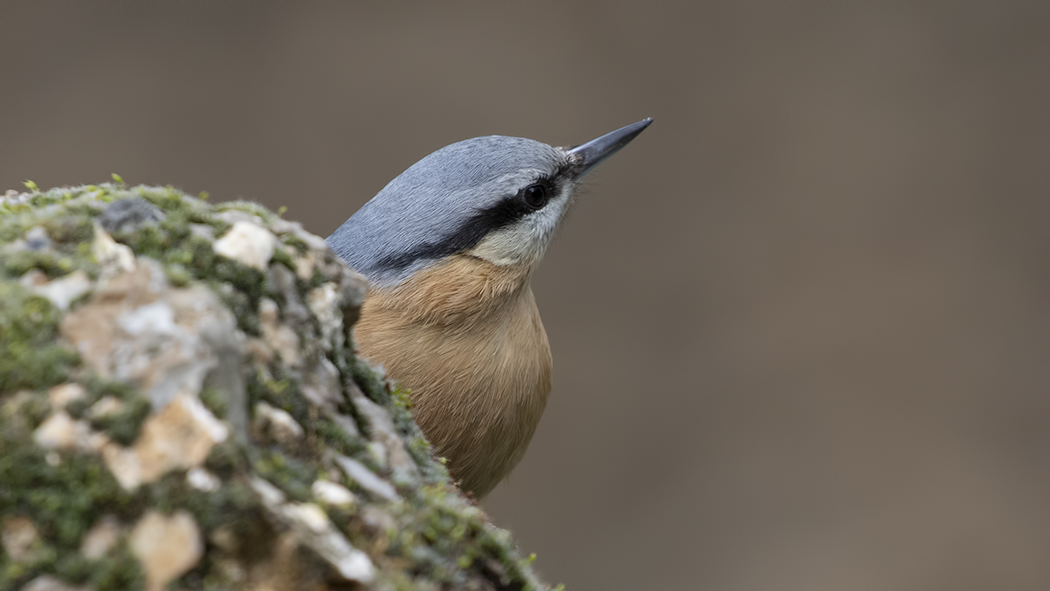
<point>596,151</point>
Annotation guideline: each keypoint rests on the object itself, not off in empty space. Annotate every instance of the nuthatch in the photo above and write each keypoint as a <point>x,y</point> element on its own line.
<point>450,246</point>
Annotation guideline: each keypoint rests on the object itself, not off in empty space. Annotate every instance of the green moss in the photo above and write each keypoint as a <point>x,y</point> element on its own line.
<point>33,409</point>
<point>118,571</point>
<point>97,389</point>
<point>433,470</point>
<point>71,228</point>
<point>215,400</point>
<point>11,209</point>
<point>243,278</point>
<point>246,286</point>
<point>338,439</point>
<point>294,242</point>
<point>73,568</point>
<point>234,504</point>
<point>279,391</point>
<point>167,198</point>
<point>176,226</point>
<point>368,381</point>
<point>16,264</point>
<point>178,275</point>
<point>148,241</point>
<point>123,426</point>
<point>248,207</point>
<point>197,255</point>
<point>62,500</point>
<point>286,473</point>
<point>188,258</point>
<point>167,494</point>
<point>100,388</point>
<point>316,280</point>
<point>242,306</point>
<point>438,537</point>
<point>29,355</point>
<point>400,407</point>
<point>281,257</point>
<point>226,459</point>
<point>448,539</point>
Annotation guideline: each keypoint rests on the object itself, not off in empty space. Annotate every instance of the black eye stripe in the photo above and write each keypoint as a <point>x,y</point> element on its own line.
<point>504,213</point>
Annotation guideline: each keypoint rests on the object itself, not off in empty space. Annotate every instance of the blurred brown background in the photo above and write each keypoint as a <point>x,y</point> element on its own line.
<point>801,326</point>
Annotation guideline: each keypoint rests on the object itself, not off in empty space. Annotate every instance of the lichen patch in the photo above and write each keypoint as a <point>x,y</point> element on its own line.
<point>160,387</point>
<point>166,546</point>
<point>180,436</point>
<point>247,243</point>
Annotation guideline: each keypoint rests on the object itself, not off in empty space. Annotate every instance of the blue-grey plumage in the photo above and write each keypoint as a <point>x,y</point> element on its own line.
<point>450,246</point>
<point>427,209</point>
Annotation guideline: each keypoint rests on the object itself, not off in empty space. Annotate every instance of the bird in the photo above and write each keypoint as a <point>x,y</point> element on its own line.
<point>449,248</point>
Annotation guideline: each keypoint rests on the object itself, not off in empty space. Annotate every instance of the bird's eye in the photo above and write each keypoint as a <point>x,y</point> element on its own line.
<point>535,196</point>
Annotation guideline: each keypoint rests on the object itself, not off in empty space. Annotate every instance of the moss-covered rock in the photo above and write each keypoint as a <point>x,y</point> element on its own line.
<point>181,407</point>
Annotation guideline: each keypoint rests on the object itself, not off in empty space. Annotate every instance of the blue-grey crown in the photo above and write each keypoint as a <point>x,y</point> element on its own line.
<point>445,203</point>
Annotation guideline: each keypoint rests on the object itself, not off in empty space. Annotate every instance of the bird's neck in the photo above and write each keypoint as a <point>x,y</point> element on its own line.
<point>465,337</point>
<point>460,289</point>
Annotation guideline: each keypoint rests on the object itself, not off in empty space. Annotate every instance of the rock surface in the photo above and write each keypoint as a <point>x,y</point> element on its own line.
<point>181,408</point>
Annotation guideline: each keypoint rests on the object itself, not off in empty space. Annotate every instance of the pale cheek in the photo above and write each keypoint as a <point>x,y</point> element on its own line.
<point>507,247</point>
<point>524,243</point>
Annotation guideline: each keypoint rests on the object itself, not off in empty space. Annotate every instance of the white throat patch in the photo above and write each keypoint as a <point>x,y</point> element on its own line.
<point>525,241</point>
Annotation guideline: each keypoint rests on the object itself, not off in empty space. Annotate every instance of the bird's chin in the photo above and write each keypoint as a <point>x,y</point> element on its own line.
<point>508,249</point>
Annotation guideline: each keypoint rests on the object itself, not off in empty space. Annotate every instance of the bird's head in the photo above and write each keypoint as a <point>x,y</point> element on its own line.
<point>496,198</point>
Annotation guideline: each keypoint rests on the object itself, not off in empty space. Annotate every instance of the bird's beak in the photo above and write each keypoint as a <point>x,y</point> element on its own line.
<point>595,151</point>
